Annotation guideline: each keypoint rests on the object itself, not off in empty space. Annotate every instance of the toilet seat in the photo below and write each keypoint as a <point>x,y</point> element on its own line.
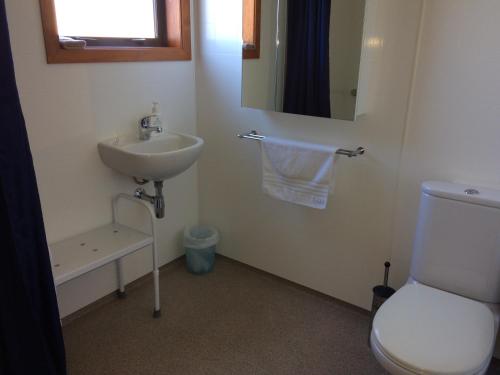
<point>395,368</point>
<point>425,330</point>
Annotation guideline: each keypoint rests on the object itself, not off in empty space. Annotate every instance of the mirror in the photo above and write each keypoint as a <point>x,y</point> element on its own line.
<point>303,56</point>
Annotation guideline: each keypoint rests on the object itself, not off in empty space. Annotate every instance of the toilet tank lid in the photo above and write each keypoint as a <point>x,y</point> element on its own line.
<point>461,192</point>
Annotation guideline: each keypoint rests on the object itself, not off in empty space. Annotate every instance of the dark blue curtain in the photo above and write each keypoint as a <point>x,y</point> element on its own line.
<point>31,340</point>
<point>307,77</point>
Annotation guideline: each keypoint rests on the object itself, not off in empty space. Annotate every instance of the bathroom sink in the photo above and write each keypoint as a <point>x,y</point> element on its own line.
<point>162,157</point>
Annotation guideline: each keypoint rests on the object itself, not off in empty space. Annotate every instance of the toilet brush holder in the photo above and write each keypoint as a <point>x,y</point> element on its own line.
<point>380,294</point>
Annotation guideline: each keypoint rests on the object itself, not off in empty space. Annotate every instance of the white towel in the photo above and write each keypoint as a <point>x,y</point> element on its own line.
<point>298,172</point>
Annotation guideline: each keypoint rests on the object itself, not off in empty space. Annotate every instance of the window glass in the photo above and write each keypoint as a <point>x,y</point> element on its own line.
<point>106,18</point>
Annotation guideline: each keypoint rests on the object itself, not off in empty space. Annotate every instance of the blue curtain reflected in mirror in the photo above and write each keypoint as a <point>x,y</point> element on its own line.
<point>307,77</point>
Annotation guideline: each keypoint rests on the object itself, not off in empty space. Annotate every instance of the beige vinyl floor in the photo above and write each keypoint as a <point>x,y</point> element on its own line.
<point>234,320</point>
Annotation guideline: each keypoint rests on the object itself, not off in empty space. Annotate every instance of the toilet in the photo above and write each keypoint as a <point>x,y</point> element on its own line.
<point>445,319</point>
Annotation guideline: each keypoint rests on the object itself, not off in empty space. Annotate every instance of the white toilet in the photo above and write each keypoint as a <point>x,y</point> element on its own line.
<point>445,320</point>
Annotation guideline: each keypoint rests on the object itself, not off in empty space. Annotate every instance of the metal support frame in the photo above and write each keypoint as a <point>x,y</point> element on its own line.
<point>119,263</point>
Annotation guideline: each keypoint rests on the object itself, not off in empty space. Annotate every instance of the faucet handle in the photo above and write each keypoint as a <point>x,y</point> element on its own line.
<point>148,125</point>
<point>145,122</point>
<point>150,121</point>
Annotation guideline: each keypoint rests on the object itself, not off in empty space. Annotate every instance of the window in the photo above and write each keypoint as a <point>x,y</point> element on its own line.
<point>116,30</point>
<point>251,29</point>
<point>138,22</point>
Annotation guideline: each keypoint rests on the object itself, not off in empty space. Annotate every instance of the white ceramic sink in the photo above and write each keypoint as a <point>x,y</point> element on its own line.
<point>157,159</point>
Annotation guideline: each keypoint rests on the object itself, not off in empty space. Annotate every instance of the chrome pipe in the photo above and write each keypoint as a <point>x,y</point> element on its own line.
<point>156,200</point>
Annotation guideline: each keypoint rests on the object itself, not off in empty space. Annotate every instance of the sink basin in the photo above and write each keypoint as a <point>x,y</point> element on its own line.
<point>157,159</point>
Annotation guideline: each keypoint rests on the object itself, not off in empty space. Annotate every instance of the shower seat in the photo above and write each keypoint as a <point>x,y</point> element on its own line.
<point>89,251</point>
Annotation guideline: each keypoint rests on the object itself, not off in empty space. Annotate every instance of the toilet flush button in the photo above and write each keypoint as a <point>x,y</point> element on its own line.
<point>471,191</point>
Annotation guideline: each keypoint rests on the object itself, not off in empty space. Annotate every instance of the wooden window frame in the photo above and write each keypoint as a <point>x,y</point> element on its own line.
<point>251,50</point>
<point>176,39</point>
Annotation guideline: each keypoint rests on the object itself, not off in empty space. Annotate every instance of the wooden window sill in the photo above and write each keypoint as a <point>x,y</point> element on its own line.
<point>251,53</point>
<point>117,54</point>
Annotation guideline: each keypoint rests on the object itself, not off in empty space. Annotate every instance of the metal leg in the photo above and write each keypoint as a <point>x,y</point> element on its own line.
<point>157,310</point>
<point>119,268</point>
<point>156,277</point>
<point>156,272</point>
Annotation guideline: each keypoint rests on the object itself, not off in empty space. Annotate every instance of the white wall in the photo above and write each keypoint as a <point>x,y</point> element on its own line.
<point>339,251</point>
<point>68,108</point>
<point>453,130</point>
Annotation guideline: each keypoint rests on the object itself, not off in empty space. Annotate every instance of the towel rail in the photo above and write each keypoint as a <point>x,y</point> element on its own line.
<point>349,153</point>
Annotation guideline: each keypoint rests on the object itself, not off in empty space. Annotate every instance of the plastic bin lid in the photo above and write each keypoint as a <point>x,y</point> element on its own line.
<point>200,236</point>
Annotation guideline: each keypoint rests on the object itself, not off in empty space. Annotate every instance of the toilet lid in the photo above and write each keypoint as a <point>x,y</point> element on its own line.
<point>426,330</point>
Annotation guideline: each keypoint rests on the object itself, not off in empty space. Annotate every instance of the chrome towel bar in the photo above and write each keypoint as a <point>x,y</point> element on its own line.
<point>349,153</point>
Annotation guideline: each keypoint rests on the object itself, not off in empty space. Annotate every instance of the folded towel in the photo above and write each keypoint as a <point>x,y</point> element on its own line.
<point>297,172</point>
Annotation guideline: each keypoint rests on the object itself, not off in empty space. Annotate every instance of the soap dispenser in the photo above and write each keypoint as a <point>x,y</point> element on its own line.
<point>155,115</point>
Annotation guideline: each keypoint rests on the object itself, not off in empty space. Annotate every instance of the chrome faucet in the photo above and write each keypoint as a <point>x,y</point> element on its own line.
<point>148,125</point>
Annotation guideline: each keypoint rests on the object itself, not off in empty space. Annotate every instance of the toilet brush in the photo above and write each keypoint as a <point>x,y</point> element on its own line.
<point>386,273</point>
<point>380,294</point>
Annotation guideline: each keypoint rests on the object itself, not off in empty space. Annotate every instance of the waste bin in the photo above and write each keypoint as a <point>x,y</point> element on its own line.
<point>200,243</point>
